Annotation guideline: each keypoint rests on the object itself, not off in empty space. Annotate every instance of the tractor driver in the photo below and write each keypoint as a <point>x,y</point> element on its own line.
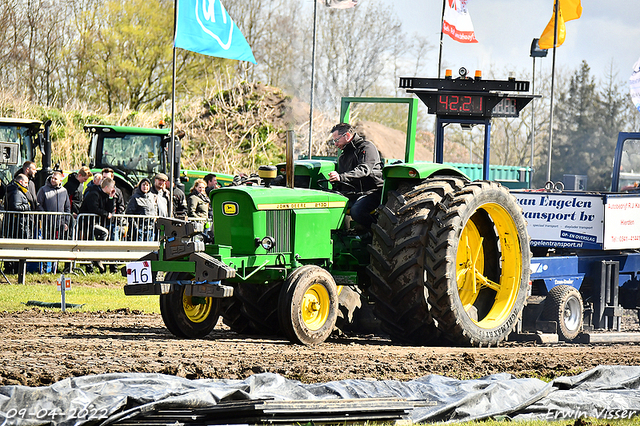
<point>359,175</point>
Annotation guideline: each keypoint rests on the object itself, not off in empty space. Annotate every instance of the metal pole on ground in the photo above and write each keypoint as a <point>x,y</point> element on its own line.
<point>63,303</point>
<point>22,271</point>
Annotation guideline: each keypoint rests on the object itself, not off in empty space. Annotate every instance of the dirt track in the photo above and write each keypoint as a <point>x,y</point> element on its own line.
<point>39,348</point>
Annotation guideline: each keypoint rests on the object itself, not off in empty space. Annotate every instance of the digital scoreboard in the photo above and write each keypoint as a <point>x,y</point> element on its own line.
<point>459,104</point>
<point>468,102</point>
<point>471,98</point>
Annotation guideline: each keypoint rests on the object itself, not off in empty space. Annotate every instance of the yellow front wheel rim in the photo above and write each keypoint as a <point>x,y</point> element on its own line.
<point>315,306</point>
<point>197,309</point>
<point>470,267</point>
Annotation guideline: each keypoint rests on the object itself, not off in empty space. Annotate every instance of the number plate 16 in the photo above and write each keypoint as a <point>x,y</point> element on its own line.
<point>139,272</point>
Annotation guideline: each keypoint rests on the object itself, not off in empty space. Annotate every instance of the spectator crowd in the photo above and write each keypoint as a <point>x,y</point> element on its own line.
<point>97,197</point>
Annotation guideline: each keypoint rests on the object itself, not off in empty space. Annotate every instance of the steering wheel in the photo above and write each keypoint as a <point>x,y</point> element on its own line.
<point>320,181</point>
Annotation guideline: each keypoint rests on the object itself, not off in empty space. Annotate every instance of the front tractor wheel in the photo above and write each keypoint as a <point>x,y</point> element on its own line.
<point>308,305</point>
<point>185,316</point>
<point>477,264</point>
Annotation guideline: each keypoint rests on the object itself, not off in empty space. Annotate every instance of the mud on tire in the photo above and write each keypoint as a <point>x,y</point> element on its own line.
<point>253,309</point>
<point>188,316</point>
<point>397,259</point>
<point>308,305</point>
<point>477,264</point>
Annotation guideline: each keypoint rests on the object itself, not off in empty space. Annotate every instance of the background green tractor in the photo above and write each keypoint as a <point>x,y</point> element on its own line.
<point>137,152</point>
<point>20,140</point>
<point>132,152</point>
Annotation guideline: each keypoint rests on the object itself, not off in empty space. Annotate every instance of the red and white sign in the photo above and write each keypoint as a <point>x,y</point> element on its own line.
<point>457,22</point>
<point>67,284</point>
<point>622,223</point>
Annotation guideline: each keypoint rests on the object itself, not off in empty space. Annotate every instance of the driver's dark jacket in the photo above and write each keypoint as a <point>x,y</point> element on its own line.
<point>360,165</point>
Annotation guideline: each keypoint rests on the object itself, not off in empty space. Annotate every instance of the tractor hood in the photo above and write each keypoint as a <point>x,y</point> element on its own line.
<point>280,198</point>
<point>299,221</point>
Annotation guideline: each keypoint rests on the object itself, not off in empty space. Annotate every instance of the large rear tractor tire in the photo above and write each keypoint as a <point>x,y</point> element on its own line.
<point>564,306</point>
<point>188,317</point>
<point>477,264</point>
<point>398,258</point>
<point>308,305</point>
<point>253,309</point>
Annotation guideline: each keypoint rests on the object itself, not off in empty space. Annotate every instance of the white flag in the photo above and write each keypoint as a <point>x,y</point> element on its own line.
<point>341,4</point>
<point>634,85</point>
<point>457,22</point>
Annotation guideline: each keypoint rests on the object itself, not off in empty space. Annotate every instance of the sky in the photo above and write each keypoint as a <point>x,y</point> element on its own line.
<point>607,34</point>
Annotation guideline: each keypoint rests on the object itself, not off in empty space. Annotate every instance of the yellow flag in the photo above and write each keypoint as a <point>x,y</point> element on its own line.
<point>571,9</point>
<point>568,10</point>
<point>546,39</point>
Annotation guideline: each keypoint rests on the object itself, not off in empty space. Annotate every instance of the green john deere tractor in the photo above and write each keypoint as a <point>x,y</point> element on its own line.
<point>137,152</point>
<point>447,261</point>
<point>20,139</point>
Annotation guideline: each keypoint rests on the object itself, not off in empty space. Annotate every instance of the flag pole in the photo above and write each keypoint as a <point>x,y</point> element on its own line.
<point>313,72</point>
<point>533,120</point>
<point>444,2</point>
<point>435,122</point>
<point>553,74</point>
<point>172,146</point>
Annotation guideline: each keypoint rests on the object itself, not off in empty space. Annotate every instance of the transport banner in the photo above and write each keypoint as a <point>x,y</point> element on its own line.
<point>563,220</point>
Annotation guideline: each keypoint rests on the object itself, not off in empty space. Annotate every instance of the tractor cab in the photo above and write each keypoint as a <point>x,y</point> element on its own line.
<point>626,167</point>
<point>19,141</point>
<point>132,152</point>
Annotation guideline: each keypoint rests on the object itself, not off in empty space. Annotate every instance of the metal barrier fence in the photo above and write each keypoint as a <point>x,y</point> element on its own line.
<point>84,227</point>
<point>29,237</point>
<point>119,227</point>
<point>36,225</point>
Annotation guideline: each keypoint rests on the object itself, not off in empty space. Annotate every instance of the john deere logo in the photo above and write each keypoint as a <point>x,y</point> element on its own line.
<point>229,208</point>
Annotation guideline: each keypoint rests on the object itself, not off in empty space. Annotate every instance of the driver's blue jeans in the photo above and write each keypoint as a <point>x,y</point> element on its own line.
<point>363,207</point>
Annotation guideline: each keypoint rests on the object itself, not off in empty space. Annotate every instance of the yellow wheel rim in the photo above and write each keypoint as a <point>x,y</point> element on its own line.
<point>470,268</point>
<point>315,306</point>
<point>197,309</point>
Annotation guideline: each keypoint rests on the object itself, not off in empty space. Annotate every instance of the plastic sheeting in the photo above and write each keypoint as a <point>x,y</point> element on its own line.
<point>606,392</point>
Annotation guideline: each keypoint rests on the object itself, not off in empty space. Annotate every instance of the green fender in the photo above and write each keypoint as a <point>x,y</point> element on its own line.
<point>395,174</point>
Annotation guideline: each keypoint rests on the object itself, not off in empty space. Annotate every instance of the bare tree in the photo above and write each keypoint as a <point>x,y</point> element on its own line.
<point>354,48</point>
<point>274,30</point>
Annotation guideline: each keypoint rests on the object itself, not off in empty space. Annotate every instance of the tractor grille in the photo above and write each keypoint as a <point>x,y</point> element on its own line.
<point>279,227</point>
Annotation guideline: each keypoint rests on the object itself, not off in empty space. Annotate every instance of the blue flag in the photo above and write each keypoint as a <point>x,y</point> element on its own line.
<point>204,26</point>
